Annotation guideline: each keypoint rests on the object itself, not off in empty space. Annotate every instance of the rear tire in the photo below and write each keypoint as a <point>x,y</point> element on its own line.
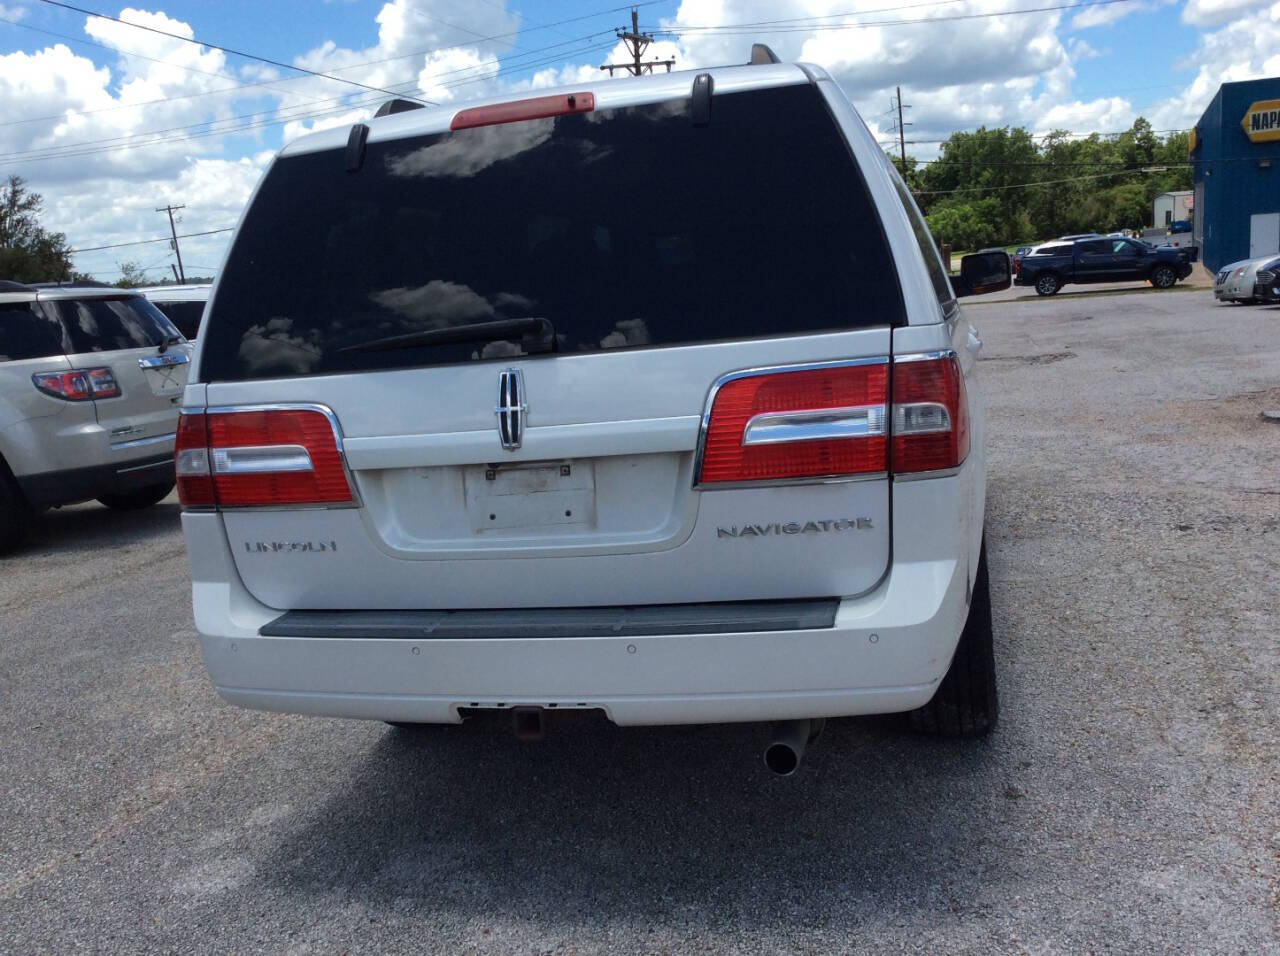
<point>1048,284</point>
<point>15,516</point>
<point>137,500</point>
<point>966,703</point>
<point>1163,277</point>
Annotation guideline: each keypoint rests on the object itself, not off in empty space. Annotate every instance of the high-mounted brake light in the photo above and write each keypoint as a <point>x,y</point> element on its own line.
<point>78,385</point>
<point>930,414</point>
<point>811,422</point>
<point>269,457</point>
<point>539,107</point>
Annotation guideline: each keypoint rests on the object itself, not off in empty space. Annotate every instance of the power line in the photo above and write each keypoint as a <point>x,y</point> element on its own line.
<point>754,28</point>
<point>225,49</point>
<point>130,141</point>
<point>143,242</point>
<point>1042,182</point>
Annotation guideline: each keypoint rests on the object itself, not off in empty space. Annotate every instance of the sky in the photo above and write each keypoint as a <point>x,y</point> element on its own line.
<point>109,122</point>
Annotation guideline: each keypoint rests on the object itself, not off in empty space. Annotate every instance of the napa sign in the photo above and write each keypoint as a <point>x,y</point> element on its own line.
<point>1262,121</point>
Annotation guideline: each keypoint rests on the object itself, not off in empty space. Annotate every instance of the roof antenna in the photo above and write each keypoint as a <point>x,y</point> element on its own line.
<point>700,104</point>
<point>355,147</point>
<point>760,54</point>
<point>396,106</point>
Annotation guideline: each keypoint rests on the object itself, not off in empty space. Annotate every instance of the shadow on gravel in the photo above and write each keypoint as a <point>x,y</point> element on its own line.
<point>681,825</point>
<point>94,527</point>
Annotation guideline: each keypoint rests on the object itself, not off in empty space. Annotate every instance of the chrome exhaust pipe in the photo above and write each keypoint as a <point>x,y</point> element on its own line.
<point>790,737</point>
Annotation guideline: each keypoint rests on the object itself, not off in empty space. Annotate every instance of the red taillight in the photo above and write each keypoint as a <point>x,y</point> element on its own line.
<point>191,462</point>
<point>539,107</point>
<point>807,423</point>
<point>274,457</point>
<point>78,385</point>
<point>930,414</point>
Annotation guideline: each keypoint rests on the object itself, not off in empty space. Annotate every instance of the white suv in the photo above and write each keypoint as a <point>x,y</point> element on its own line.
<point>650,396</point>
<point>90,381</point>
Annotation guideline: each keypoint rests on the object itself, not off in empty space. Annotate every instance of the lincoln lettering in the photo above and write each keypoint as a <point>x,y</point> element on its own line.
<point>279,547</point>
<point>794,527</point>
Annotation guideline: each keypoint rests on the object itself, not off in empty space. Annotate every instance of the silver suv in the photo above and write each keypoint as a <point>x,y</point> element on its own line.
<point>90,382</point>
<point>651,397</point>
<point>183,305</point>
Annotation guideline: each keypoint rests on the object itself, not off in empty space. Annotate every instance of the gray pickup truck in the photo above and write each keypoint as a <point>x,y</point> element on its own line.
<point>1102,259</point>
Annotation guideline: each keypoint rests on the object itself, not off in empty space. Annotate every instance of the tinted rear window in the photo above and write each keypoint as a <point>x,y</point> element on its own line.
<point>185,315</point>
<point>624,228</point>
<point>28,334</point>
<point>111,324</point>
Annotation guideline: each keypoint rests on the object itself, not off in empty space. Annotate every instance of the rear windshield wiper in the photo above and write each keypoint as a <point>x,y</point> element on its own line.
<point>537,335</point>
<point>164,343</point>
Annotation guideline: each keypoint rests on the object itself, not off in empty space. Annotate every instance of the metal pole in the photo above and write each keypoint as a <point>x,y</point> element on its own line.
<point>902,135</point>
<point>173,230</point>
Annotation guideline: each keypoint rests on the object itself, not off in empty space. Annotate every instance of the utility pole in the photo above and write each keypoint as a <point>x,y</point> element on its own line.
<point>636,43</point>
<point>173,230</point>
<point>902,132</point>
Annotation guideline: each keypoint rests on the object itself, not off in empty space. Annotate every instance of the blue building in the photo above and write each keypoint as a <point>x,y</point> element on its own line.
<point>1235,159</point>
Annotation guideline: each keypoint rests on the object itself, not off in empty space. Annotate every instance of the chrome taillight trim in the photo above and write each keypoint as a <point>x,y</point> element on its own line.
<point>925,356</point>
<point>261,460</point>
<point>938,473</point>
<point>356,500</point>
<point>779,428</point>
<point>725,379</point>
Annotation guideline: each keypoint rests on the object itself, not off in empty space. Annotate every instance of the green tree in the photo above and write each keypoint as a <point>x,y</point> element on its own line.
<point>966,223</point>
<point>28,252</point>
<point>131,275</point>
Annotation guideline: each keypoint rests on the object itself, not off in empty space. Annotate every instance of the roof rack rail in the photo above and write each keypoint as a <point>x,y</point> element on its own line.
<point>396,106</point>
<point>760,53</point>
<point>73,284</point>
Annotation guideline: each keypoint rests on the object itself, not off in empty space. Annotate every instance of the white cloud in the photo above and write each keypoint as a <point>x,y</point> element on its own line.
<point>1102,16</point>
<point>1209,13</point>
<point>1245,49</point>
<point>12,14</point>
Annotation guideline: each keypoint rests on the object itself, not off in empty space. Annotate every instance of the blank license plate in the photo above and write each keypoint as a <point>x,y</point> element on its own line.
<point>530,496</point>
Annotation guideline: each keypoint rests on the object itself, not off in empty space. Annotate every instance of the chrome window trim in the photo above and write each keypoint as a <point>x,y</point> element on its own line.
<point>143,442</point>
<point>356,500</point>
<point>728,377</point>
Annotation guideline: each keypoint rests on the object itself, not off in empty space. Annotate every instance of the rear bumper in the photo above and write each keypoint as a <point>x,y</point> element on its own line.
<point>82,484</point>
<point>886,652</point>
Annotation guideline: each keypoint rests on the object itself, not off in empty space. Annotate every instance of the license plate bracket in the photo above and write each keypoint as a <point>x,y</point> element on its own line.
<point>532,495</point>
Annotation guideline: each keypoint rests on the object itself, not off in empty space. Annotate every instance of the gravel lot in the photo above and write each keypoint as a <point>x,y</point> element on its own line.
<point>1129,801</point>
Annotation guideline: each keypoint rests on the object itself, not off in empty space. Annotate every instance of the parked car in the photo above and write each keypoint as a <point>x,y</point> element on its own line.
<point>1179,225</point>
<point>183,304</point>
<point>1016,260</point>
<point>1082,235</point>
<point>1266,282</point>
<point>445,467</point>
<point>1238,282</point>
<point>1054,265</point>
<point>1222,275</point>
<point>90,382</point>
